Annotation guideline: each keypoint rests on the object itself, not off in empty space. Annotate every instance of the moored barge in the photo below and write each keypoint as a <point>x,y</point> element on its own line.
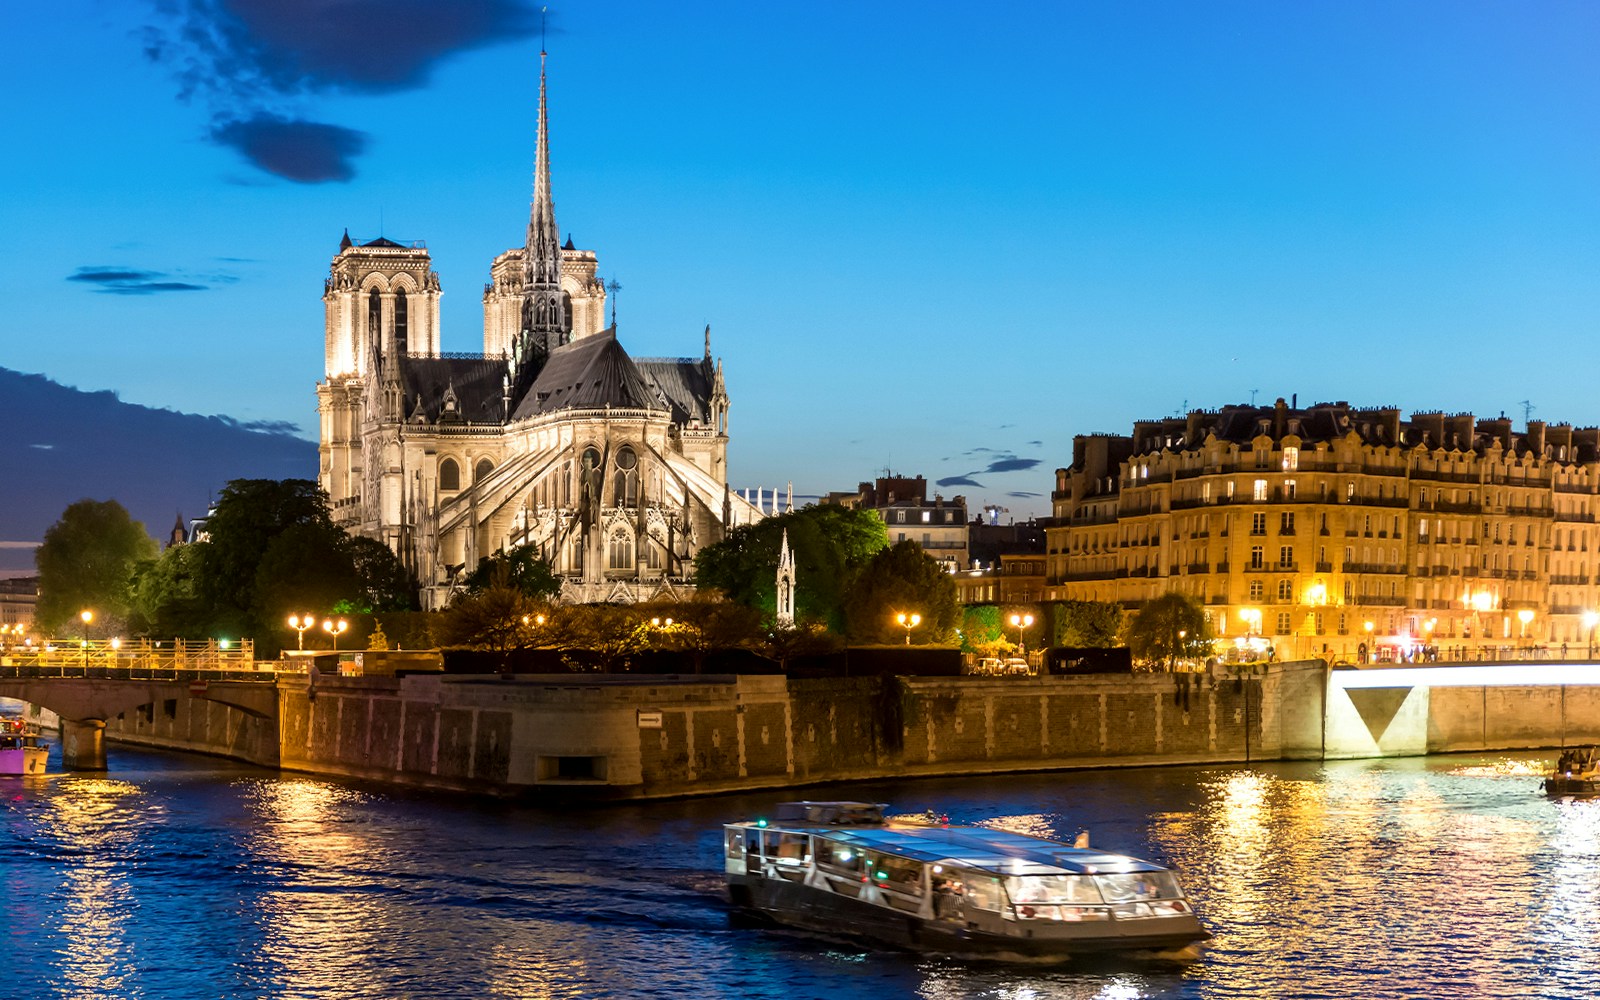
<point>21,752</point>
<point>842,869</point>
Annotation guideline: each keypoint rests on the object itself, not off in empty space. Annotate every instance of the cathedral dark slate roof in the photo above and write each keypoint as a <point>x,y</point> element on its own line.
<point>592,372</point>
<point>476,383</point>
<point>686,384</point>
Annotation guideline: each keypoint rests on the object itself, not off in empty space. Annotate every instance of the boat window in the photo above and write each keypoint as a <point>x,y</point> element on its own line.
<point>983,891</point>
<point>839,857</point>
<point>736,843</point>
<point>1075,889</point>
<point>752,842</point>
<point>1139,885</point>
<point>895,872</point>
<point>789,850</point>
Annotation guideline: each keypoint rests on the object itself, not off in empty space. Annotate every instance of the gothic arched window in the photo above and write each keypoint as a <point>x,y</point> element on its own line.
<point>619,551</point>
<point>449,475</point>
<point>481,471</point>
<point>627,478</point>
<point>400,325</point>
<point>566,312</point>
<point>374,321</point>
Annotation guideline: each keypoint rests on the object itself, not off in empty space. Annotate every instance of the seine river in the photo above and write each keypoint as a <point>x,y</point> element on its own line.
<point>176,876</point>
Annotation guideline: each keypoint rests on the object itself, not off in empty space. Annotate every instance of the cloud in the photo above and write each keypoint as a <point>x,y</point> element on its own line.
<point>250,61</point>
<point>959,481</point>
<point>132,281</point>
<point>1011,464</point>
<point>1023,494</point>
<point>1036,444</point>
<point>296,150</point>
<point>263,426</point>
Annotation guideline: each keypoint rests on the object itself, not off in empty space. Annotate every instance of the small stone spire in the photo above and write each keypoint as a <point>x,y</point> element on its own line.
<point>785,615</point>
<point>345,243</point>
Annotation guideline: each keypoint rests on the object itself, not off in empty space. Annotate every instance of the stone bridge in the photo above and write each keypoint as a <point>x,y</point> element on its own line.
<point>86,698</point>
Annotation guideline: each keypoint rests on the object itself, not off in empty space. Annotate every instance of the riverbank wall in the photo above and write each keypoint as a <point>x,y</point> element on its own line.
<point>606,736</point>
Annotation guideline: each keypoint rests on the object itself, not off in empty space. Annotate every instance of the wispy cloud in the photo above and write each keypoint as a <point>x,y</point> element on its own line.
<point>1023,494</point>
<point>256,64</point>
<point>959,481</point>
<point>1011,464</point>
<point>132,281</point>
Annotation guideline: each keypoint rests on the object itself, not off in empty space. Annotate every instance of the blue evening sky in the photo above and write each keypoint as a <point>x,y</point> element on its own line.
<point>938,237</point>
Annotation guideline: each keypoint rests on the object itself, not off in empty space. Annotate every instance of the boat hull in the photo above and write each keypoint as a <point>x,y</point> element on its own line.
<point>795,904</point>
<point>1561,785</point>
<point>19,761</point>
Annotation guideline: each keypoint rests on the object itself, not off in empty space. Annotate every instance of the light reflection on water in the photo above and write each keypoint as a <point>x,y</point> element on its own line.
<point>173,877</point>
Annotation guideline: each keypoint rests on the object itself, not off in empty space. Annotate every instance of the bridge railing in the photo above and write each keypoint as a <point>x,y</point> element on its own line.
<point>116,657</point>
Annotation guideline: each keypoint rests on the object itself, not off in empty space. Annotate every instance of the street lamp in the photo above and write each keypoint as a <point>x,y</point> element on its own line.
<point>1019,622</point>
<point>335,629</point>
<point>1525,616</point>
<point>1589,620</point>
<point>300,623</point>
<point>87,616</point>
<point>1367,627</point>
<point>910,622</point>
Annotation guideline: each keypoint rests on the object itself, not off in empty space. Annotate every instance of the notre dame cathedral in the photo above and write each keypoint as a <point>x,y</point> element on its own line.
<point>615,467</point>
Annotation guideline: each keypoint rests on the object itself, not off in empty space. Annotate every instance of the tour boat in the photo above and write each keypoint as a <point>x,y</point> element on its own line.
<point>20,749</point>
<point>1577,772</point>
<point>841,868</point>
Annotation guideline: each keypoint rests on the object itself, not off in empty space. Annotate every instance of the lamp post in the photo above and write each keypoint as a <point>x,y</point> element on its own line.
<point>87,616</point>
<point>300,623</point>
<point>1020,622</point>
<point>1589,620</point>
<point>1525,616</point>
<point>335,629</point>
<point>1366,626</point>
<point>909,622</point>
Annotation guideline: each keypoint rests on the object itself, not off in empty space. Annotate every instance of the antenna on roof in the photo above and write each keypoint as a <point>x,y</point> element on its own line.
<point>1253,396</point>
<point>1527,411</point>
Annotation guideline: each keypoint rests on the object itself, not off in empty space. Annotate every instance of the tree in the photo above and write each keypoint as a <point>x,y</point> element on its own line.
<point>499,617</point>
<point>605,636</point>
<point>899,579</point>
<point>383,581</point>
<point>803,638</point>
<point>1086,624</point>
<point>249,515</point>
<point>701,625</point>
<point>1169,628</point>
<point>302,570</point>
<point>525,570</point>
<point>87,561</point>
<point>981,631</point>
<point>829,543</point>
<point>166,597</point>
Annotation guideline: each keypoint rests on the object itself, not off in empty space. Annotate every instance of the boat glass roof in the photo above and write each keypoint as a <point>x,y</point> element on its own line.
<point>999,851</point>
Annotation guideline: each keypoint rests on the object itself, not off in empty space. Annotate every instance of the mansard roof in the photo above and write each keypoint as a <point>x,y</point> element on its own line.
<point>476,383</point>
<point>591,372</point>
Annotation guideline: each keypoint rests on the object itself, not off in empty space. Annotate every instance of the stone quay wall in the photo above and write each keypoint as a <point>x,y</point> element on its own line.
<point>647,737</point>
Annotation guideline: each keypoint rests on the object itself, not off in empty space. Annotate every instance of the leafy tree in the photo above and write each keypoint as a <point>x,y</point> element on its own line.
<point>702,624</point>
<point>166,596</point>
<point>804,638</point>
<point>302,570</point>
<point>899,579</point>
<point>603,636</point>
<point>249,515</point>
<point>1169,628</point>
<point>1086,624</point>
<point>524,569</point>
<point>383,581</point>
<point>87,561</point>
<point>499,617</point>
<point>980,630</point>
<point>829,543</point>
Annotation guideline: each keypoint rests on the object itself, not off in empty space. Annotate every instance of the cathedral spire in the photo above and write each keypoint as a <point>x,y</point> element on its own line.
<point>543,312</point>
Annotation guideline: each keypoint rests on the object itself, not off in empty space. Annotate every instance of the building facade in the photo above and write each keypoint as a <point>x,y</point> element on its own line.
<point>938,525</point>
<point>615,467</point>
<point>1339,530</point>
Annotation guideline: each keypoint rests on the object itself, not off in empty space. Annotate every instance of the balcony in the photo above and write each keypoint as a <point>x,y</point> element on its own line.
<point>1569,581</point>
<point>1371,568</point>
<point>1324,567</point>
<point>1194,568</point>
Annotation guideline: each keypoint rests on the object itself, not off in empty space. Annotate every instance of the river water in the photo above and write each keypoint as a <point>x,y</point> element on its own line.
<point>178,876</point>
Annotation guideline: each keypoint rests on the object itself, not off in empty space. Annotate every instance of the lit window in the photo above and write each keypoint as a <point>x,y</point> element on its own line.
<point>1288,489</point>
<point>927,516</point>
<point>1291,458</point>
<point>1259,493</point>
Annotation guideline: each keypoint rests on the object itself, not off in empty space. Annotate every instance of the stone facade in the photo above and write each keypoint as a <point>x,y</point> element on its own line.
<point>615,467</point>
<point>1331,528</point>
